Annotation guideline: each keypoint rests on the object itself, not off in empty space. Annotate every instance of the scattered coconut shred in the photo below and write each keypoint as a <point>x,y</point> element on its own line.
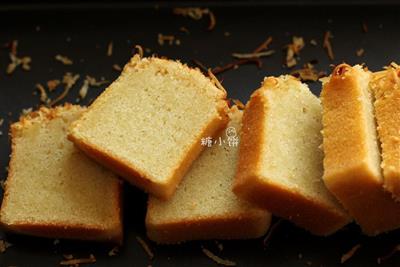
<point>167,39</point>
<point>388,256</point>
<point>69,81</point>
<point>64,60</point>
<point>217,259</point>
<point>71,261</point>
<point>327,45</point>
<point>293,50</point>
<point>114,251</point>
<point>145,247</point>
<point>90,81</point>
<point>16,61</point>
<point>197,13</point>
<point>308,73</point>
<point>110,49</point>
<point>4,245</point>
<point>345,257</point>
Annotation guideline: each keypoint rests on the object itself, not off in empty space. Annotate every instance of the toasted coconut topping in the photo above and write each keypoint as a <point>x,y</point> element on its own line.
<point>64,60</point>
<point>327,45</point>
<point>139,49</point>
<point>345,257</point>
<point>145,247</point>
<point>217,259</point>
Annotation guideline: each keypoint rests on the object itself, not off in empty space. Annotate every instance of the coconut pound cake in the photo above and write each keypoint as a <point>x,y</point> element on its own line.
<point>148,123</point>
<point>352,157</point>
<point>204,207</point>
<point>280,159</point>
<point>386,88</point>
<point>53,189</point>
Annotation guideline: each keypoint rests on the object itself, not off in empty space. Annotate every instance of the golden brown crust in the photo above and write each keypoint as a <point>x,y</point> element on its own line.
<point>145,181</point>
<point>386,88</point>
<point>57,230</point>
<point>280,201</point>
<point>218,227</point>
<point>348,175</point>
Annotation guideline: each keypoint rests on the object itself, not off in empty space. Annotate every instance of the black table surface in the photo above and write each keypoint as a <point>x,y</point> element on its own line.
<point>83,32</point>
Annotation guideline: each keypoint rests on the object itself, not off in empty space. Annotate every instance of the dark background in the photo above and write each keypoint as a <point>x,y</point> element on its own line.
<point>82,32</point>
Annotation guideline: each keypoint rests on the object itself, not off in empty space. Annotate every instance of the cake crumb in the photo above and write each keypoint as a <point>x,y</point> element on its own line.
<point>145,247</point>
<point>217,259</point>
<point>345,257</point>
<point>64,59</point>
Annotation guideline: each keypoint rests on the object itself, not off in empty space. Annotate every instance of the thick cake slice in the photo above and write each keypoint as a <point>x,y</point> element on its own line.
<point>204,207</point>
<point>386,88</point>
<point>147,125</point>
<point>280,159</point>
<point>53,189</point>
<point>352,158</point>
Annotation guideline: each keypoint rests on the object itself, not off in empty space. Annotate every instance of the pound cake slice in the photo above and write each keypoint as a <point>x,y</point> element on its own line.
<point>352,158</point>
<point>148,123</point>
<point>386,88</point>
<point>53,189</point>
<point>204,207</point>
<point>280,159</point>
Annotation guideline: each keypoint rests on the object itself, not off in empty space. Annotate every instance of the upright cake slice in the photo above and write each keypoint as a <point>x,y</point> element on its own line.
<point>352,158</point>
<point>280,160</point>
<point>204,207</point>
<point>147,125</point>
<point>386,87</point>
<point>53,189</point>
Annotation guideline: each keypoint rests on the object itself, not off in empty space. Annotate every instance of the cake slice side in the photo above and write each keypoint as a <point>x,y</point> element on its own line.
<point>204,207</point>
<point>386,88</point>
<point>52,189</point>
<point>163,109</point>
<point>352,159</point>
<point>268,152</point>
